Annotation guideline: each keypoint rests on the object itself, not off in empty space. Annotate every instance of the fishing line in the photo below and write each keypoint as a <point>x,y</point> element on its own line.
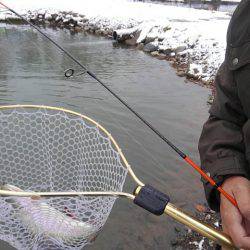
<point>72,73</point>
<point>39,49</point>
<point>157,132</point>
<point>133,139</point>
<point>50,58</point>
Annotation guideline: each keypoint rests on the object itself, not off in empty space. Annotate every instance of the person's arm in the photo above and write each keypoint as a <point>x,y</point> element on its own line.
<point>221,145</point>
<point>222,151</point>
<point>225,141</point>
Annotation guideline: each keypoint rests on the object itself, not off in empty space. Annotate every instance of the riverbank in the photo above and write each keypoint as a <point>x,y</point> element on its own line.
<point>188,239</point>
<point>193,41</point>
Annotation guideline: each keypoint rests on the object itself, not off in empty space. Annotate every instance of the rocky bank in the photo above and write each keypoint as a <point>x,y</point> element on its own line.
<point>194,55</point>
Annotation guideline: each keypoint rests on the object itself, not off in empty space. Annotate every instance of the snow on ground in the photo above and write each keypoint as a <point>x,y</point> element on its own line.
<point>201,33</point>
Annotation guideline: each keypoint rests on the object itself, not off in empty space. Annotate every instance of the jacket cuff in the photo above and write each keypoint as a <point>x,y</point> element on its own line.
<point>220,170</point>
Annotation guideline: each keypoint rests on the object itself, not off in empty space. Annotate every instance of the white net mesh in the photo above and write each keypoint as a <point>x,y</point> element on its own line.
<point>48,150</point>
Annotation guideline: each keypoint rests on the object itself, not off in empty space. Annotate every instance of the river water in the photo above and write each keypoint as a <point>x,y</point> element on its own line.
<point>32,72</point>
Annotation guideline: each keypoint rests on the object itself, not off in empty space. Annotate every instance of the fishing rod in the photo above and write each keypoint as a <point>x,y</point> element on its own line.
<point>185,157</point>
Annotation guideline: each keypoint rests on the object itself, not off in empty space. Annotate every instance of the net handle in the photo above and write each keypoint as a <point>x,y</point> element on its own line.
<point>38,195</point>
<point>84,117</point>
<point>170,210</point>
<point>198,226</point>
<point>183,217</point>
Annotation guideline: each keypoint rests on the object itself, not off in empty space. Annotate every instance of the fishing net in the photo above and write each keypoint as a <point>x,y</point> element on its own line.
<point>46,150</point>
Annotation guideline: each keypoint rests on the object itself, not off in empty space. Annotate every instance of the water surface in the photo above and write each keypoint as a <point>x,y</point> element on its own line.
<point>32,72</point>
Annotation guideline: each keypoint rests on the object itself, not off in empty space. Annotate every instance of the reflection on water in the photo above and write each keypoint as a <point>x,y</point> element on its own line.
<point>32,71</point>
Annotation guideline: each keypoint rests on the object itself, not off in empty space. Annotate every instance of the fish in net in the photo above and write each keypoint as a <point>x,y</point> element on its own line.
<point>60,174</point>
<point>47,151</point>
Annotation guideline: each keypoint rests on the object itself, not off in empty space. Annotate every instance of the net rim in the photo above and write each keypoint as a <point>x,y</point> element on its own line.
<point>84,117</point>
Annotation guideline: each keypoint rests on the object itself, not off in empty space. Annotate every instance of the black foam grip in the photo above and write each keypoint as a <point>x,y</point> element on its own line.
<point>152,200</point>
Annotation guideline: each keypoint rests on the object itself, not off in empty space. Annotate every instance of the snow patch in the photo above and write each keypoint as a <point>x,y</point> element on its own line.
<point>202,32</point>
<point>198,244</point>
